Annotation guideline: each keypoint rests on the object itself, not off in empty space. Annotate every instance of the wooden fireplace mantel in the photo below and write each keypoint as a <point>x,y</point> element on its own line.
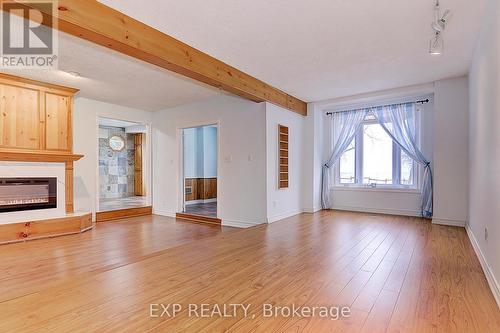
<point>25,155</point>
<point>37,156</point>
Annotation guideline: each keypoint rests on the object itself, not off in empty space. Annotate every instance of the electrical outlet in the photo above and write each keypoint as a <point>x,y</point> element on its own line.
<point>485,234</point>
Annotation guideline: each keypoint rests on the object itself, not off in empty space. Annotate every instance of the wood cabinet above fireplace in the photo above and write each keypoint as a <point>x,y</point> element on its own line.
<point>36,125</point>
<point>35,115</point>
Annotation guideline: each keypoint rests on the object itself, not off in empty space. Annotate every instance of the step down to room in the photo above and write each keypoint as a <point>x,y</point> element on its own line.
<point>198,218</point>
<point>122,213</point>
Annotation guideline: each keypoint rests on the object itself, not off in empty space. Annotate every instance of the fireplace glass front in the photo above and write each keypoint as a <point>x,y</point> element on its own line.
<point>17,194</point>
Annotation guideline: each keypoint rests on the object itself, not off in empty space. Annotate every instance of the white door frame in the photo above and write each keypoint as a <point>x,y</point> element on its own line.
<point>147,160</point>
<point>180,174</point>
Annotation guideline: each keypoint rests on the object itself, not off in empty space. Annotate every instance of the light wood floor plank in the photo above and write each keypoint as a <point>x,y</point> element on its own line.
<point>397,274</point>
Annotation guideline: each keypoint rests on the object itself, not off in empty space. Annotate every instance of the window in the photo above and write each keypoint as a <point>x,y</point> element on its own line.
<point>374,160</point>
<point>348,165</point>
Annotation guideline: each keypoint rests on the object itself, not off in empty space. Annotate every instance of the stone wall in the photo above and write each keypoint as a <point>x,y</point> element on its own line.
<point>116,168</point>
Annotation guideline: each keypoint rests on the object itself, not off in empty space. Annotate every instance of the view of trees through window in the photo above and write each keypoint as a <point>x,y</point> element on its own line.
<point>381,161</point>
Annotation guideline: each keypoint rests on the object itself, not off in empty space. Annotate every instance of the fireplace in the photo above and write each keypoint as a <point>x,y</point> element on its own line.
<point>17,194</point>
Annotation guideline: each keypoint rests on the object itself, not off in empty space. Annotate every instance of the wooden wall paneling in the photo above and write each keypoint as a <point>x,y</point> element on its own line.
<point>58,122</point>
<point>202,188</point>
<point>19,117</point>
<point>138,174</point>
<point>193,184</point>
<point>210,188</point>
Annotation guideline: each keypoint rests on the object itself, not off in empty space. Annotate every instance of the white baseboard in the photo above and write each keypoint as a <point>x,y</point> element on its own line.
<point>449,222</point>
<point>282,216</point>
<point>163,213</point>
<point>238,224</point>
<point>311,209</point>
<point>492,281</point>
<point>402,212</point>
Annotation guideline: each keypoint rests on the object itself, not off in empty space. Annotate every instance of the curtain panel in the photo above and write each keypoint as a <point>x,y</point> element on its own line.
<point>348,123</point>
<point>402,131</point>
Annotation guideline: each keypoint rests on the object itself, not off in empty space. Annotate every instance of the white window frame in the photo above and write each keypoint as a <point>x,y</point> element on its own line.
<point>396,165</point>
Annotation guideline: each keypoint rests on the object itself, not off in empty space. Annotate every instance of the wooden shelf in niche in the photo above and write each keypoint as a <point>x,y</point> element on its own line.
<point>283,147</point>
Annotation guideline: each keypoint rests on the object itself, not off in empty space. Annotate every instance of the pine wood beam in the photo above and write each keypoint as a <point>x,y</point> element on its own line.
<point>100,24</point>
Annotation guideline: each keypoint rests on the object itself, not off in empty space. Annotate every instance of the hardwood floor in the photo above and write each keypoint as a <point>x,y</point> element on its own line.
<point>32,266</point>
<point>397,274</point>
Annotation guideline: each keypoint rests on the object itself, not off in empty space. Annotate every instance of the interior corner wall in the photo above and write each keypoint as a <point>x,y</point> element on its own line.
<point>241,192</point>
<point>85,141</point>
<point>313,159</point>
<point>484,155</point>
<point>283,203</point>
<point>451,152</point>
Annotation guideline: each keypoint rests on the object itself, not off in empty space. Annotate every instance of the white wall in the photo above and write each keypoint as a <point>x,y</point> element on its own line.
<point>451,158</point>
<point>209,151</point>
<point>85,141</point>
<point>200,152</point>
<point>484,176</point>
<point>313,158</point>
<point>241,192</point>
<point>191,155</point>
<point>282,203</point>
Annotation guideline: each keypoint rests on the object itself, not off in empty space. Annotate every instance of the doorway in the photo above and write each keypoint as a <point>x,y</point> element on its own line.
<point>200,170</point>
<point>123,165</point>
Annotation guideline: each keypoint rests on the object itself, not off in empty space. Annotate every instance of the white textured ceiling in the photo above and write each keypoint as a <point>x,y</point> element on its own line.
<point>115,78</point>
<point>320,49</point>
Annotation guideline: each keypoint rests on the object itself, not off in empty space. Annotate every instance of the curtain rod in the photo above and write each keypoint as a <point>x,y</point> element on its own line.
<point>423,101</point>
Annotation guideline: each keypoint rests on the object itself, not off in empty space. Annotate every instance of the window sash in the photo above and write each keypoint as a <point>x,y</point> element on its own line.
<point>396,163</point>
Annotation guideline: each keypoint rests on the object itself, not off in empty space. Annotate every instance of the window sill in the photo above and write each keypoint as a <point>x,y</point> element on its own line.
<point>375,189</point>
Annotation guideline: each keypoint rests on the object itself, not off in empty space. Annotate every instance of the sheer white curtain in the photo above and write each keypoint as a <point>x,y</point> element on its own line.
<point>347,123</point>
<point>402,132</point>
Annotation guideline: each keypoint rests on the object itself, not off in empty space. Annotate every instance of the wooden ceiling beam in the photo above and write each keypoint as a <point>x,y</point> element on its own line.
<point>110,28</point>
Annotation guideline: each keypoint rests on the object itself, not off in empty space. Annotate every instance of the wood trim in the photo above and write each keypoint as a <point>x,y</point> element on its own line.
<point>198,218</point>
<point>100,24</point>
<point>36,85</point>
<point>138,147</point>
<point>43,123</point>
<point>28,155</point>
<point>123,213</point>
<point>68,170</point>
<point>31,230</point>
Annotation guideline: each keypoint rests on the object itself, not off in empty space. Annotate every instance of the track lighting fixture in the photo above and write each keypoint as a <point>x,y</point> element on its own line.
<point>436,45</point>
